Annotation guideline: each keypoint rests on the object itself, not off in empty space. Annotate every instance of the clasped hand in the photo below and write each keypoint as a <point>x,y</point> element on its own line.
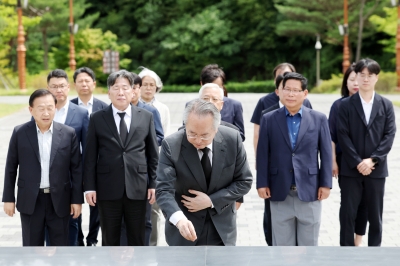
<point>194,204</point>
<point>366,166</point>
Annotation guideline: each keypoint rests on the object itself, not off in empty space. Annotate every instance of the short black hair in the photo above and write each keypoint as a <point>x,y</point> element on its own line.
<point>372,66</point>
<point>283,66</point>
<point>57,73</point>
<point>345,90</point>
<point>211,72</point>
<point>112,78</point>
<point>278,81</point>
<point>136,79</point>
<point>296,76</point>
<point>84,70</point>
<point>40,93</point>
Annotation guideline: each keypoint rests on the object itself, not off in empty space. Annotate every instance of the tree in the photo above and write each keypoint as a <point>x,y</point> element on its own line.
<point>54,19</point>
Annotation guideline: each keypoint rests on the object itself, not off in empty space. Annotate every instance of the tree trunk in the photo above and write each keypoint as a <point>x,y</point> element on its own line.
<point>360,30</point>
<point>46,49</point>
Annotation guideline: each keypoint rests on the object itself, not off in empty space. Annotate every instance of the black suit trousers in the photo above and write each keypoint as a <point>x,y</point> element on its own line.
<point>111,213</point>
<point>362,212</point>
<point>352,189</point>
<point>33,226</point>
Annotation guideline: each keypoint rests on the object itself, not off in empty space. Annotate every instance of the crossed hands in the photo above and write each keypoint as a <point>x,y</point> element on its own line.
<point>366,166</point>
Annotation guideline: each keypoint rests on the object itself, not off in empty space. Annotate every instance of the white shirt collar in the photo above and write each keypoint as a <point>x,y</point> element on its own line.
<point>208,146</point>
<point>372,99</point>
<point>90,102</point>
<point>50,130</point>
<point>65,107</point>
<point>128,110</point>
<point>280,104</point>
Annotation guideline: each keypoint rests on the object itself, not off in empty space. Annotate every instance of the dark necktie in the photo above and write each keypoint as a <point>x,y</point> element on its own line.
<point>205,162</point>
<point>123,130</point>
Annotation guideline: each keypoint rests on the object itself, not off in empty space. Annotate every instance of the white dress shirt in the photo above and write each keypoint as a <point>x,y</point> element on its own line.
<point>44,141</point>
<point>127,117</point>
<point>178,215</point>
<point>367,107</point>
<point>61,115</point>
<point>89,105</point>
<point>280,104</point>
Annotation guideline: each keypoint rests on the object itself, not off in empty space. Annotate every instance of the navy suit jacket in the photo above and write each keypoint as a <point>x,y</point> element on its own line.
<point>78,119</point>
<point>156,119</point>
<point>97,104</point>
<point>232,112</point>
<point>277,162</point>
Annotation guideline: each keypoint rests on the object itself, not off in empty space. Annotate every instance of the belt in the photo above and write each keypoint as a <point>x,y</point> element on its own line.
<point>44,190</point>
<point>293,188</point>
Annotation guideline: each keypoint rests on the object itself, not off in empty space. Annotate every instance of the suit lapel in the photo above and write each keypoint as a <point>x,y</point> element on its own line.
<point>70,114</point>
<point>31,134</point>
<point>96,106</point>
<point>280,119</point>
<point>357,104</point>
<point>136,119</point>
<point>56,140</point>
<point>109,119</point>
<point>218,152</point>
<point>375,108</point>
<point>191,157</point>
<point>304,124</point>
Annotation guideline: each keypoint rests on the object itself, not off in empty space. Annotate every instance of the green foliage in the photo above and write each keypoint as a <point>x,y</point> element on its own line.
<point>89,47</point>
<point>250,86</point>
<point>386,83</point>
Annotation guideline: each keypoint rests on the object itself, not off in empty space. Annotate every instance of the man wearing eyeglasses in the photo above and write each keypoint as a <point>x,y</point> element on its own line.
<point>288,170</point>
<point>72,115</point>
<point>121,158</point>
<point>202,172</point>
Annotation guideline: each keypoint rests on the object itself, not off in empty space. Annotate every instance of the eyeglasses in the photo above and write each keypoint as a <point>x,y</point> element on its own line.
<point>56,87</point>
<point>149,85</point>
<point>365,76</point>
<point>213,100</point>
<point>288,91</point>
<point>123,88</point>
<point>195,137</point>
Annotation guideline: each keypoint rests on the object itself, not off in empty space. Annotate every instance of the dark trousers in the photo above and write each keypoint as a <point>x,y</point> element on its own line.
<point>352,189</point>
<point>44,216</point>
<point>94,225</point>
<point>111,213</point>
<point>147,234</point>
<point>209,235</point>
<point>267,222</point>
<point>362,212</point>
<point>80,233</point>
<point>73,230</point>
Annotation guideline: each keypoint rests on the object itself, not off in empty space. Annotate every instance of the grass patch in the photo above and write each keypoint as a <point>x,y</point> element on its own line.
<point>8,109</point>
<point>396,104</point>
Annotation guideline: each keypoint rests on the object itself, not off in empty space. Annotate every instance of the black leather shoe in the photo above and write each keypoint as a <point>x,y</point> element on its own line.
<point>91,244</point>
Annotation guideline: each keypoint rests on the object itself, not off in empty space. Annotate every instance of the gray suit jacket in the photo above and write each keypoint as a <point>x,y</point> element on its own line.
<point>179,169</point>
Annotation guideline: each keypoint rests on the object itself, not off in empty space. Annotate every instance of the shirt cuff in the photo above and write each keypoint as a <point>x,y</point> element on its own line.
<point>176,217</point>
<point>89,191</point>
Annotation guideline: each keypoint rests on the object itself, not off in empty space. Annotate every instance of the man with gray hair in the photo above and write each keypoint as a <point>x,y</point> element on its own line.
<point>120,163</point>
<point>202,171</point>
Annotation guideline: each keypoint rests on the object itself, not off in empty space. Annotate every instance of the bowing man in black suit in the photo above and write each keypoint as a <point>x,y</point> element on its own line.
<point>46,156</point>
<point>121,158</point>
<point>85,83</point>
<point>366,129</point>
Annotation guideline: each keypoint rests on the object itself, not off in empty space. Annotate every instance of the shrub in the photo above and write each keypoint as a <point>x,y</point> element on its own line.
<point>249,86</point>
<point>386,83</point>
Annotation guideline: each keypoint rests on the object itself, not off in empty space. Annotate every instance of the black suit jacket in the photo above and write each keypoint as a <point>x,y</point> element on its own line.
<point>97,104</point>
<point>272,108</point>
<point>360,140</point>
<point>65,169</point>
<point>110,166</point>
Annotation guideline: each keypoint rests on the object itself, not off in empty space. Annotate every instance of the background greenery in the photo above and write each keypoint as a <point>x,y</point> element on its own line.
<point>176,38</point>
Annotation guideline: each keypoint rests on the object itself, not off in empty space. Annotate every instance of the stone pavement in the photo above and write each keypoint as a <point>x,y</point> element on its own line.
<point>250,215</point>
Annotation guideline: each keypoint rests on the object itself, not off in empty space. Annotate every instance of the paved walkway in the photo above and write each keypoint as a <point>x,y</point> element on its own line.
<point>250,232</point>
